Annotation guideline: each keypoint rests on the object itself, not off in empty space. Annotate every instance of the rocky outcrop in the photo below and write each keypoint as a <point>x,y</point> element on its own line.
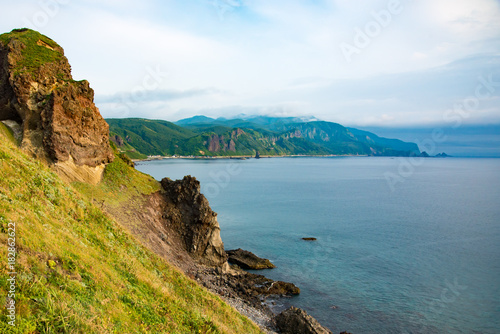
<point>251,287</point>
<point>217,143</point>
<point>188,213</point>
<point>59,119</point>
<point>236,133</point>
<point>213,144</point>
<point>232,145</point>
<point>248,260</point>
<point>118,140</point>
<point>297,321</point>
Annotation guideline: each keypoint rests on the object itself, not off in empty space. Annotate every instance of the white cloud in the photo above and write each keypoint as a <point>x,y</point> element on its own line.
<point>278,56</point>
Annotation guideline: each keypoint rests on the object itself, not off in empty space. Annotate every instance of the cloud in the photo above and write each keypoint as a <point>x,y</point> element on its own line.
<point>144,95</point>
<point>279,56</point>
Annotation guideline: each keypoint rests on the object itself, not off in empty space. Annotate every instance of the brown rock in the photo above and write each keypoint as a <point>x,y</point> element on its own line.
<point>297,321</point>
<point>74,128</point>
<point>283,289</point>
<point>188,212</point>
<point>232,145</point>
<point>214,144</point>
<point>248,260</point>
<point>60,122</point>
<point>118,140</point>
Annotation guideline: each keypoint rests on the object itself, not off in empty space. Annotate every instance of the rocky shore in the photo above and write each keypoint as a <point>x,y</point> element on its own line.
<point>193,228</point>
<point>253,296</point>
<point>178,224</point>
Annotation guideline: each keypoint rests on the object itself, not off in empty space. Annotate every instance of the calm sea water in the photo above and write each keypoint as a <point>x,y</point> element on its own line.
<point>420,257</point>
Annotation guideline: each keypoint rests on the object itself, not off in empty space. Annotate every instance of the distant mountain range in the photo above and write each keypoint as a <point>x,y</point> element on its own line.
<point>205,136</point>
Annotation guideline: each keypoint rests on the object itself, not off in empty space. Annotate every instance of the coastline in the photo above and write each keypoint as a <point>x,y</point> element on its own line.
<point>253,295</point>
<point>243,157</point>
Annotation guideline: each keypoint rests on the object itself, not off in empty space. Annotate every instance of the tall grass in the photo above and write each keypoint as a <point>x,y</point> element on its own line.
<point>78,271</point>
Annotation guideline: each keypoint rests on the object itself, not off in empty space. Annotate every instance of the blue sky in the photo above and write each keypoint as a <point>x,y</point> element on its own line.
<point>360,63</point>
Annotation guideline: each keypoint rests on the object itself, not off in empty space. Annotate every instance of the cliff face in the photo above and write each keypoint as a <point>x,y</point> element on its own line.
<point>60,122</point>
<point>220,143</point>
<point>188,212</point>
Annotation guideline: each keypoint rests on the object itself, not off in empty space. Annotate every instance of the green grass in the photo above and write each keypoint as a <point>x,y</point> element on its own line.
<point>7,133</point>
<point>120,184</point>
<point>33,55</point>
<point>78,271</point>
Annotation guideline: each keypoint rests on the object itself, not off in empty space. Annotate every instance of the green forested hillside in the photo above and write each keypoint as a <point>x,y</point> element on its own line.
<point>203,136</point>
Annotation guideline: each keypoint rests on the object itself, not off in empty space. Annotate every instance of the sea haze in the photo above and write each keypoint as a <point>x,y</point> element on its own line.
<point>422,256</point>
<point>463,141</point>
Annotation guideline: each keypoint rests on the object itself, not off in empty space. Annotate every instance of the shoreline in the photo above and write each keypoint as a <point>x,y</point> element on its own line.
<point>243,157</point>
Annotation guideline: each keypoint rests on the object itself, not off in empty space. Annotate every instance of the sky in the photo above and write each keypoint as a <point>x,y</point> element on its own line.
<point>365,63</point>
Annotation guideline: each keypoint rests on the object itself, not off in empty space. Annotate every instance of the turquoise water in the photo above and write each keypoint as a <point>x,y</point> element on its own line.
<point>422,256</point>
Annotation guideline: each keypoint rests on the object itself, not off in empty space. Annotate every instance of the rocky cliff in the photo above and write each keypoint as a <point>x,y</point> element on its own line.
<point>220,143</point>
<point>188,212</point>
<point>60,122</point>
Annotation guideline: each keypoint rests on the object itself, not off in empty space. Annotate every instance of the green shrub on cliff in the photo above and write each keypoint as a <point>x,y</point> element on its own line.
<point>78,271</point>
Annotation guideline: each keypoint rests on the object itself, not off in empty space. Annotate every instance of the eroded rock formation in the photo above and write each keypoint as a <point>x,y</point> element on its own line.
<point>188,212</point>
<point>59,119</point>
<point>217,143</point>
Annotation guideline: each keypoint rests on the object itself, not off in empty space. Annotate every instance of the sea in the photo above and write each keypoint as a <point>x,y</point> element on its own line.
<point>403,245</point>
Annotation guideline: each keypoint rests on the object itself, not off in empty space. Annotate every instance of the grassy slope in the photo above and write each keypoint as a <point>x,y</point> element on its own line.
<point>78,271</point>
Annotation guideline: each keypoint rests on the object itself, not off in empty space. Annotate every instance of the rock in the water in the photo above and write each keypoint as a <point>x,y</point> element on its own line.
<point>188,212</point>
<point>297,321</point>
<point>248,260</point>
<point>60,122</point>
<point>309,239</point>
<point>283,289</point>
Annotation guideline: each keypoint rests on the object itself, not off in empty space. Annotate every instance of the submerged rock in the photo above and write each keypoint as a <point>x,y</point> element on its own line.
<point>248,260</point>
<point>297,321</point>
